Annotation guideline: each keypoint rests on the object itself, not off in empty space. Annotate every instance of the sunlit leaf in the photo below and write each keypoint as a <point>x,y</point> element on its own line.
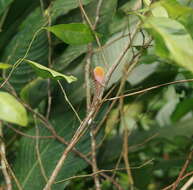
<point>11,110</point>
<point>174,9</point>
<point>172,40</point>
<point>183,14</point>
<point>45,72</point>
<point>5,66</point>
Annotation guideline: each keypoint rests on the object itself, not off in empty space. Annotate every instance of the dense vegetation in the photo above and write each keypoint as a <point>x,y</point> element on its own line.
<point>96,94</point>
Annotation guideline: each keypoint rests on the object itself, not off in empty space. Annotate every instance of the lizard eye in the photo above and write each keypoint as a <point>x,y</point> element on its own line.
<point>99,74</point>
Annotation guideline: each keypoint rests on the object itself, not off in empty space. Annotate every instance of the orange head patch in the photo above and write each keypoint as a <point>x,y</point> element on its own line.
<point>99,74</point>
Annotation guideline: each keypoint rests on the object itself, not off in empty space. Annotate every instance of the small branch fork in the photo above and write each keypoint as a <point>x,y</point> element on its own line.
<point>88,88</point>
<point>54,136</point>
<point>181,175</point>
<point>188,160</point>
<point>87,122</point>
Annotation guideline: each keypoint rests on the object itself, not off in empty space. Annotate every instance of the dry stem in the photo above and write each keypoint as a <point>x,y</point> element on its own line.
<point>5,172</point>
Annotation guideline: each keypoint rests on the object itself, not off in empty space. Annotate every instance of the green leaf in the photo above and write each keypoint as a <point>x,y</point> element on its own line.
<point>172,40</point>
<point>4,4</point>
<point>61,7</point>
<point>159,11</point>
<point>182,108</point>
<point>5,66</point>
<point>111,53</point>
<point>74,33</point>
<point>147,2</point>
<point>163,116</point>
<point>148,59</point>
<point>17,46</point>
<point>49,73</point>
<point>141,72</point>
<point>49,148</point>
<point>39,50</point>
<point>11,110</point>
<point>71,53</point>
<point>106,14</point>
<point>33,94</point>
<point>184,14</point>
<point>174,9</point>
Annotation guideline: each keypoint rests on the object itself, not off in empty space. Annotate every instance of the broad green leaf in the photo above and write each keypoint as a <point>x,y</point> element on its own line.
<point>4,4</point>
<point>74,33</point>
<point>34,92</point>
<point>5,66</point>
<point>172,36</point>
<point>182,108</point>
<point>148,59</point>
<point>71,53</point>
<point>147,2</point>
<point>174,9</point>
<point>111,53</point>
<point>141,72</point>
<point>11,110</point>
<point>61,7</point>
<point>163,116</point>
<point>159,12</point>
<point>118,23</point>
<point>45,72</point>
<point>179,12</point>
<point>38,52</point>
<point>30,172</point>
<point>106,14</point>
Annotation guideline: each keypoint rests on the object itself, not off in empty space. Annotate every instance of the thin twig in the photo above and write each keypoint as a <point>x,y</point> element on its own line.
<point>125,156</point>
<point>111,42</point>
<point>97,13</point>
<point>94,162</point>
<point>92,27</point>
<point>114,182</point>
<point>66,98</point>
<point>19,61</point>
<point>13,175</point>
<point>38,152</point>
<point>49,63</point>
<point>130,66</point>
<point>145,141</point>
<point>87,121</point>
<point>104,171</point>
<point>182,178</point>
<point>29,136</point>
<point>80,131</point>
<point>122,55</point>
<point>187,184</point>
<point>148,89</point>
<point>185,166</point>
<point>5,172</point>
<point>87,77</point>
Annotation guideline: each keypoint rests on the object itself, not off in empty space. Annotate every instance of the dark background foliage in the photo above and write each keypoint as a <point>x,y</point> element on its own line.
<point>156,125</point>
